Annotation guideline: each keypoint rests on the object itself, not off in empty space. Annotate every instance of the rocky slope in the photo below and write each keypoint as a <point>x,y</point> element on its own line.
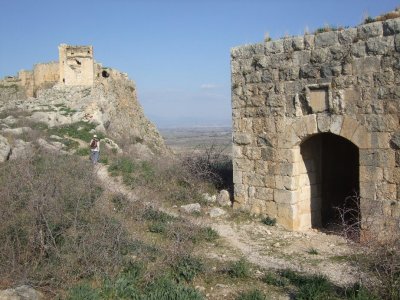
<point>110,105</point>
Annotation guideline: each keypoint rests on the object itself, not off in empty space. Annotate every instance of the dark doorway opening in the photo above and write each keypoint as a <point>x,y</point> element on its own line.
<point>333,163</point>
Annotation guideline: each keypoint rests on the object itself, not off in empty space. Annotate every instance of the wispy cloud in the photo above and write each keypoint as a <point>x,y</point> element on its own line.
<point>209,86</point>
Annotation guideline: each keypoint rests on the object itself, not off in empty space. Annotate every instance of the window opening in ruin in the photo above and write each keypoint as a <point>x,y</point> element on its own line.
<point>64,80</point>
<point>78,62</point>
<point>105,74</point>
<point>332,167</point>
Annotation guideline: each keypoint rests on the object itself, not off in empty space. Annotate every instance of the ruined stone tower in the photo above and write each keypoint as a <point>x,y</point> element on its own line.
<point>76,65</point>
<point>316,121</point>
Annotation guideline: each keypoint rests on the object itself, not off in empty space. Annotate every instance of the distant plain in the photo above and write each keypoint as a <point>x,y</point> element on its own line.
<point>198,139</point>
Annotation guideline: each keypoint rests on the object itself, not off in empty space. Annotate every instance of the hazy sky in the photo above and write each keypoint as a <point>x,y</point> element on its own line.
<point>177,52</point>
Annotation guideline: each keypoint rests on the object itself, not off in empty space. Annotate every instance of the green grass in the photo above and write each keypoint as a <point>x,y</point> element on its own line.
<point>252,295</point>
<point>187,267</point>
<point>79,130</point>
<point>66,111</point>
<point>82,151</point>
<point>134,173</point>
<point>312,251</point>
<point>239,269</point>
<point>275,280</point>
<point>208,234</point>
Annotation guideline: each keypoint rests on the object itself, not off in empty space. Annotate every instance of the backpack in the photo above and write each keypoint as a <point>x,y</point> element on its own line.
<point>93,144</point>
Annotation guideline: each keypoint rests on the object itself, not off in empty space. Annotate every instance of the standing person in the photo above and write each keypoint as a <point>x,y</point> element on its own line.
<point>94,149</point>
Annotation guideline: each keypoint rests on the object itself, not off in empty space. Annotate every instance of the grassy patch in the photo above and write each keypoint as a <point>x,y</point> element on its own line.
<point>66,111</point>
<point>312,251</point>
<point>187,267</point>
<point>134,173</point>
<point>239,269</point>
<point>82,151</point>
<point>78,130</point>
<point>251,295</point>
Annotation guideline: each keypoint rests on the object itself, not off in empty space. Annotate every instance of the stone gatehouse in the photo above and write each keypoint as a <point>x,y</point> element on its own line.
<point>316,120</point>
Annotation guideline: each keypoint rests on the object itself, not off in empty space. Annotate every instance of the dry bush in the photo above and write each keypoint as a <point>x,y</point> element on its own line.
<point>212,165</point>
<point>51,231</point>
<point>379,253</point>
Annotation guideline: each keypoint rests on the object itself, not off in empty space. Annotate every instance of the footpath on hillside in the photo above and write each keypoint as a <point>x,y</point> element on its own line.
<point>269,247</point>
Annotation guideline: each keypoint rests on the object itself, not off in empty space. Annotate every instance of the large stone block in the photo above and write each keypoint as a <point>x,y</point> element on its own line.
<point>348,128</point>
<point>323,122</point>
<point>242,138</point>
<point>288,139</point>
<point>371,174</point>
<point>370,64</point>
<point>380,140</point>
<point>326,39</point>
<point>386,191</point>
<point>336,124</point>
<point>285,182</point>
<point>369,30</point>
<point>242,164</point>
<point>391,26</point>
<point>379,45</point>
<point>285,196</point>
<point>266,194</point>
<point>347,36</point>
<point>274,47</point>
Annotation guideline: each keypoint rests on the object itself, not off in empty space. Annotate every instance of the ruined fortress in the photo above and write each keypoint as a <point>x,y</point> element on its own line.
<point>76,67</point>
<point>316,125</point>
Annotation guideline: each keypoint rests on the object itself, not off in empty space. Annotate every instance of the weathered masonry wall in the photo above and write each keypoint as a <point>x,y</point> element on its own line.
<point>76,65</point>
<point>342,85</point>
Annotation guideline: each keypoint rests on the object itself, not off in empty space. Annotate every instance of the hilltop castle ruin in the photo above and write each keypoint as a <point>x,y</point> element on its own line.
<point>76,67</point>
<point>315,121</point>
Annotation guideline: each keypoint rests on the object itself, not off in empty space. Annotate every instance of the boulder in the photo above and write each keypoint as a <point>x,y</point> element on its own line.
<point>191,208</point>
<point>5,149</point>
<point>23,292</point>
<point>209,198</point>
<point>223,198</point>
<point>16,131</point>
<point>51,147</point>
<point>21,150</point>
<point>216,212</point>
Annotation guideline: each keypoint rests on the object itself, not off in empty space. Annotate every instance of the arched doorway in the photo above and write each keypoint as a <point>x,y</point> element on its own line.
<point>332,171</point>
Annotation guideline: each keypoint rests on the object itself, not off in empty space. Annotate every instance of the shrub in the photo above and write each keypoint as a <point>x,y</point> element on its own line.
<point>252,295</point>
<point>312,251</point>
<point>164,289</point>
<point>157,227</point>
<point>187,267</point>
<point>50,226</point>
<point>83,292</point>
<point>239,269</point>
<point>268,221</point>
<point>275,280</point>
<point>208,234</point>
<point>82,151</point>
<point>310,286</point>
<point>152,214</point>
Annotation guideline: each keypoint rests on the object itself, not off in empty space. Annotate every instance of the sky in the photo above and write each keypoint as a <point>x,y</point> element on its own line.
<point>177,51</point>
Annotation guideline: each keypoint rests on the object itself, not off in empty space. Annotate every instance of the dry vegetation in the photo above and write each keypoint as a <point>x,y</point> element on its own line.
<point>67,235</point>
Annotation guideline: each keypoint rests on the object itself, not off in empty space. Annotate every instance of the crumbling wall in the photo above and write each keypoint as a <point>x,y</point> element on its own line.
<point>45,75</point>
<point>27,82</point>
<point>76,65</point>
<point>287,91</point>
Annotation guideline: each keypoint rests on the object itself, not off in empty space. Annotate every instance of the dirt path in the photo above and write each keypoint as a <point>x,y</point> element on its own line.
<point>269,247</point>
<point>272,247</point>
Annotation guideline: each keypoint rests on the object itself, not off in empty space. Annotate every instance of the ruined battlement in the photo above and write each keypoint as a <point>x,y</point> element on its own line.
<point>75,67</point>
<point>316,120</point>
